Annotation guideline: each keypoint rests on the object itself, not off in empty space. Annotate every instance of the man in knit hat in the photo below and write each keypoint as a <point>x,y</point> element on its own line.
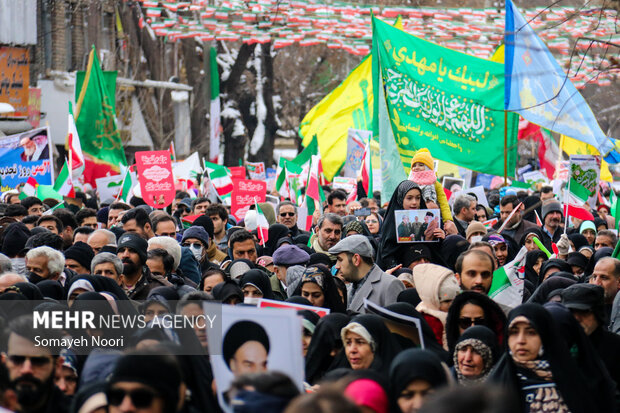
<point>197,240</point>
<point>78,258</point>
<point>552,219</point>
<point>136,280</point>
<point>146,383</point>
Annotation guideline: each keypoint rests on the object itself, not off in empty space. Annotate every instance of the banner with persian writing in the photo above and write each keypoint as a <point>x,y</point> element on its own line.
<point>443,100</point>
<point>26,155</point>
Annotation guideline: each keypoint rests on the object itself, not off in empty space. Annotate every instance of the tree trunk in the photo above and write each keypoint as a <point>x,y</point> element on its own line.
<point>194,64</point>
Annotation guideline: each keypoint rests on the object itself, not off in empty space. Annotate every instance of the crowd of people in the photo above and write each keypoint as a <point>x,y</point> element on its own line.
<point>438,344</point>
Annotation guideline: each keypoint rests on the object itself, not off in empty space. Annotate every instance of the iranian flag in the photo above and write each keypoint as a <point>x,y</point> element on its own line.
<point>287,175</point>
<point>72,144</point>
<point>313,198</point>
<point>220,178</point>
<point>578,194</point>
<point>215,127</point>
<point>29,188</point>
<point>128,183</point>
<point>366,170</point>
<point>507,285</point>
<point>64,183</point>
<point>262,225</point>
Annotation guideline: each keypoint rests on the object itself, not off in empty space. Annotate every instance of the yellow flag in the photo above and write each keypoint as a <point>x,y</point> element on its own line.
<point>574,147</point>
<point>498,54</point>
<point>350,105</point>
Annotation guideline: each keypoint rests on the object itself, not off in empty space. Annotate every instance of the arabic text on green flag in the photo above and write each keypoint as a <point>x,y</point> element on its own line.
<point>443,100</point>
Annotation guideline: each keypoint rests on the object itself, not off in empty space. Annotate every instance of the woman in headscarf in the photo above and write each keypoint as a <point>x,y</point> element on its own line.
<point>550,266</point>
<point>228,292</point>
<point>527,239</point>
<point>414,375</point>
<point>538,367</point>
<point>577,241</point>
<point>407,196</point>
<point>437,287</point>
<point>533,262</point>
<point>588,230</point>
<point>368,344</point>
<point>475,354</point>
<point>255,284</point>
<point>317,286</point>
<point>324,346</point>
<point>598,254</point>
<point>470,308</point>
<point>551,287</point>
<point>374,222</point>
<point>309,320</point>
<point>598,381</point>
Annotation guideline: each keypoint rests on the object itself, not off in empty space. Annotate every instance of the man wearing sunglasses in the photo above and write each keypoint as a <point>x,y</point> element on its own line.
<point>286,214</point>
<point>32,367</point>
<point>146,383</point>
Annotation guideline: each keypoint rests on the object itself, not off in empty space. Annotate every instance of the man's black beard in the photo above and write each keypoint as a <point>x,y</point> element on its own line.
<point>32,392</point>
<point>130,268</point>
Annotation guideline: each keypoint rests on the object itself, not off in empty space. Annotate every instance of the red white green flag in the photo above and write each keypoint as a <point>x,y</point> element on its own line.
<point>221,180</point>
<point>64,183</point>
<point>29,188</point>
<point>366,170</point>
<point>262,225</point>
<point>72,144</point>
<point>313,197</point>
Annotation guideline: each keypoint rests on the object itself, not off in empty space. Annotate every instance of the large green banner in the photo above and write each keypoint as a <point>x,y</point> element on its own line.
<point>443,100</point>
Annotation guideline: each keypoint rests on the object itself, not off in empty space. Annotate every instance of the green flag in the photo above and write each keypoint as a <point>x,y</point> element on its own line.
<point>443,100</point>
<point>306,155</point>
<point>95,122</point>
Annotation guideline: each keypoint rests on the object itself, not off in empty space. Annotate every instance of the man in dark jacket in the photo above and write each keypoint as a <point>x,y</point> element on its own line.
<point>586,302</point>
<point>516,227</point>
<point>136,280</point>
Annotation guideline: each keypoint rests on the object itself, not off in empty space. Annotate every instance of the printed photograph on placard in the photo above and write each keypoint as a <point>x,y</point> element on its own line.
<point>453,184</point>
<point>413,225</point>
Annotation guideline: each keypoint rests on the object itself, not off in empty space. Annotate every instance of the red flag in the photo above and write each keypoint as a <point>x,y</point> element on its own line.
<point>578,212</point>
<point>538,221</point>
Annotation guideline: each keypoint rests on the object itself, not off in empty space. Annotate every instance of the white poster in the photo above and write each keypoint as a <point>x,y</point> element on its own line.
<point>252,340</point>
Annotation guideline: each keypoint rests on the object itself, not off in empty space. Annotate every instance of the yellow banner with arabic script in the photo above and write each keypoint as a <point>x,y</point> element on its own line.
<point>444,100</point>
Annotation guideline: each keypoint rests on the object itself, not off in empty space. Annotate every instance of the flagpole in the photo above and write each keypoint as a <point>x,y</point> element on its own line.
<point>122,184</point>
<point>566,200</point>
<point>505,148</point>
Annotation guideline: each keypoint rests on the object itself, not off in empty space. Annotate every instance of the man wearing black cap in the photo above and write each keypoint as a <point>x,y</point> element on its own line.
<point>414,255</point>
<point>136,280</point>
<point>245,348</point>
<point>146,383</point>
<point>586,302</point>
<point>78,258</point>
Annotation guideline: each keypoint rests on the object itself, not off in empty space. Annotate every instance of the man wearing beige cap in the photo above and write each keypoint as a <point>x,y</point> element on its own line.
<point>354,256</point>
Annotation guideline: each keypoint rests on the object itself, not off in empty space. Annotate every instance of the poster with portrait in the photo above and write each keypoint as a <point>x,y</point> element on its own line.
<point>453,184</point>
<point>413,224</point>
<point>252,340</point>
<point>25,155</point>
